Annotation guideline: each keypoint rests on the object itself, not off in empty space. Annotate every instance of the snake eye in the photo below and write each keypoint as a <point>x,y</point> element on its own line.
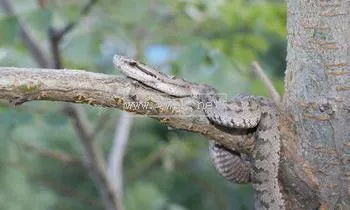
<point>132,63</point>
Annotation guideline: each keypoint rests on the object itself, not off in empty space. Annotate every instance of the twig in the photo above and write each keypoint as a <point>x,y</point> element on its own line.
<point>117,153</point>
<point>266,81</point>
<point>61,156</point>
<point>33,46</point>
<point>93,160</point>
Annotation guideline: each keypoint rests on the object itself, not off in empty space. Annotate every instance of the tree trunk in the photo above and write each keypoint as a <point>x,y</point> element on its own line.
<point>317,92</point>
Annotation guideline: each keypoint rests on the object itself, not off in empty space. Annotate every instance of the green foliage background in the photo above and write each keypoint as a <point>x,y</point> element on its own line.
<point>205,41</point>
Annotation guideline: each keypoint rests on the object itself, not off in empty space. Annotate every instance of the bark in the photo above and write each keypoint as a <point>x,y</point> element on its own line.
<point>18,85</point>
<point>317,91</point>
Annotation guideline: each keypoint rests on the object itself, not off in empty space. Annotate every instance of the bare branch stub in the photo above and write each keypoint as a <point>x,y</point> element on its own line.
<point>266,81</point>
<point>65,158</point>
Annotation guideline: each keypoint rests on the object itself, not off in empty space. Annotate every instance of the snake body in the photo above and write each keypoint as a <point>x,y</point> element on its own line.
<point>261,168</point>
<point>229,163</point>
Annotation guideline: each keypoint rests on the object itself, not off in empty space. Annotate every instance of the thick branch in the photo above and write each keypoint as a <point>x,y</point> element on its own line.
<point>18,85</point>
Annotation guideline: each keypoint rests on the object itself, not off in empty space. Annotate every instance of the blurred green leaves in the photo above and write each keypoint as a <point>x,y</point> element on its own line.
<point>247,26</point>
<point>11,116</point>
<point>9,31</point>
<point>55,119</point>
<point>39,19</point>
<point>18,193</point>
<point>144,196</point>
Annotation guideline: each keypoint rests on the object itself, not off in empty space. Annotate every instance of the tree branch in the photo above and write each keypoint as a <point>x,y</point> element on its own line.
<point>61,156</point>
<point>18,85</point>
<point>34,48</point>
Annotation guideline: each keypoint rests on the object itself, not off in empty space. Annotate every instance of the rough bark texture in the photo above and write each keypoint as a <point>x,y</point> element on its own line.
<point>317,95</point>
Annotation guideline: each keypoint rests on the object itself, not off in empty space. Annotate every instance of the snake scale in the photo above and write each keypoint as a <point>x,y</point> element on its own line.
<point>260,167</point>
